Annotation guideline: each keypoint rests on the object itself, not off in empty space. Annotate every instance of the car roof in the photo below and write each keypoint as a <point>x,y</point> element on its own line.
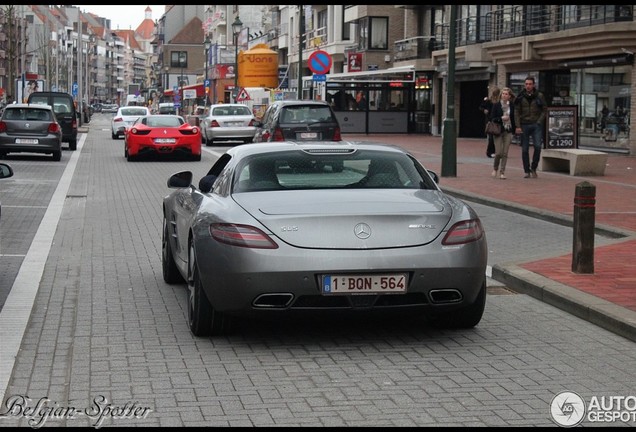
<point>27,105</point>
<point>309,146</point>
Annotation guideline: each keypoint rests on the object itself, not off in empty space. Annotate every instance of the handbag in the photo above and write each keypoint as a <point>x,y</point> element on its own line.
<point>493,128</point>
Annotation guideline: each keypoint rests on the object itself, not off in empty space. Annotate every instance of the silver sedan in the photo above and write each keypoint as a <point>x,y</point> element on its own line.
<point>228,122</point>
<point>273,228</point>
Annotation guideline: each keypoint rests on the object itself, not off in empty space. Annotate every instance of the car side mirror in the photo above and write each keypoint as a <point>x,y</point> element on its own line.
<point>180,180</point>
<point>433,175</point>
<point>205,184</point>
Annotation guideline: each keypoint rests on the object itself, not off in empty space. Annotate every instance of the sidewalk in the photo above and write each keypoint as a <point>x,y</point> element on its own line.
<point>606,297</point>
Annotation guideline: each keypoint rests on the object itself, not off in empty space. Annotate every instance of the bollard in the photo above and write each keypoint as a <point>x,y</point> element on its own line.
<point>583,242</point>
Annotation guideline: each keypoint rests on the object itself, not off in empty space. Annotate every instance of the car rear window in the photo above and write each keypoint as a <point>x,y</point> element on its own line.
<point>32,114</point>
<point>133,112</point>
<point>231,111</point>
<point>320,170</point>
<point>163,121</point>
<point>306,114</point>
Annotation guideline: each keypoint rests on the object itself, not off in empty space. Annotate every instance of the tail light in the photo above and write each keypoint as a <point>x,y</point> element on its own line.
<point>278,135</point>
<point>74,123</point>
<point>214,123</point>
<point>336,135</point>
<point>242,235</point>
<point>118,119</point>
<point>195,130</point>
<point>251,123</point>
<point>3,126</point>
<point>464,232</point>
<point>54,128</point>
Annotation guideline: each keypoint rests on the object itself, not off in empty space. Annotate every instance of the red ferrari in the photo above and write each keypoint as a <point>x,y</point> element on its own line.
<point>162,134</point>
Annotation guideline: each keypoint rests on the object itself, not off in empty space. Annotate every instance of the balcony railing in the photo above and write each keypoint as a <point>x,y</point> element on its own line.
<point>522,20</point>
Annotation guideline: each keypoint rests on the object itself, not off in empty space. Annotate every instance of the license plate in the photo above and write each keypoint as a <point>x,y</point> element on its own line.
<point>364,284</point>
<point>235,123</point>
<point>165,140</point>
<point>308,135</point>
<point>26,141</point>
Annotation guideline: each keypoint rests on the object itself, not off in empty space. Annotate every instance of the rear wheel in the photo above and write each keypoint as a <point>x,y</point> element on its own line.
<point>72,145</point>
<point>203,320</point>
<point>169,268</point>
<point>466,317</point>
<point>57,155</point>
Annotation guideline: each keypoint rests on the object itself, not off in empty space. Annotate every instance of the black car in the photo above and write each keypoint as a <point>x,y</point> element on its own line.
<point>64,108</point>
<point>298,120</point>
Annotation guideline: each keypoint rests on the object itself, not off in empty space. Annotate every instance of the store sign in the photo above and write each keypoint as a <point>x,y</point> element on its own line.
<point>562,130</point>
<point>354,60</point>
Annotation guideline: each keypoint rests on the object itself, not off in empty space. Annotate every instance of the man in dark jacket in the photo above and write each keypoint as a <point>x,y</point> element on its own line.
<point>530,111</point>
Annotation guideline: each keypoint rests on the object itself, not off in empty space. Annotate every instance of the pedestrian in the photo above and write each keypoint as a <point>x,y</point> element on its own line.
<point>530,109</point>
<point>486,107</point>
<point>503,113</point>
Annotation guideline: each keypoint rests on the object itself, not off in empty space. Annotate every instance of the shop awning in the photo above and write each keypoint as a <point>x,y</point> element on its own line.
<point>198,87</point>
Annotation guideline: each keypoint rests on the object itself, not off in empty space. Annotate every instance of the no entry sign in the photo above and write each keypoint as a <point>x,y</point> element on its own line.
<point>319,62</point>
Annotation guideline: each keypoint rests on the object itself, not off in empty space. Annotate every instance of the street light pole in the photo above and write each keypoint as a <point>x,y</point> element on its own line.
<point>182,60</point>
<point>206,85</point>
<point>237,25</point>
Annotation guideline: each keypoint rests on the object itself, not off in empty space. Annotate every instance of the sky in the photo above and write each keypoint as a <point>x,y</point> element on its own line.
<point>126,17</point>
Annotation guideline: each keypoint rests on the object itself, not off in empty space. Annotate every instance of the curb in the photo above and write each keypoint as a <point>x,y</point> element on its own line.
<point>600,312</point>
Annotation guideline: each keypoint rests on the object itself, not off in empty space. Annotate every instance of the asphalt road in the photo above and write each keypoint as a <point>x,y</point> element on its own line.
<point>104,326</point>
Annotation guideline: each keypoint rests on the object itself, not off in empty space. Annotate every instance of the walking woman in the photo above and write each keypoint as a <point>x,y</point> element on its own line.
<point>486,107</point>
<point>504,114</point>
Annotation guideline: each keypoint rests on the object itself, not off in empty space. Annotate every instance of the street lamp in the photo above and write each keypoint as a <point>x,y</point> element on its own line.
<point>237,25</point>
<point>206,86</point>
<point>182,62</point>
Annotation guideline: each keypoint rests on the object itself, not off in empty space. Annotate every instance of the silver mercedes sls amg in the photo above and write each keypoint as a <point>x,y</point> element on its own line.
<point>286,227</point>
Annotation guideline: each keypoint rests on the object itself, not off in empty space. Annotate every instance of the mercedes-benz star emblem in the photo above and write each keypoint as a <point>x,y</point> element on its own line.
<point>362,231</point>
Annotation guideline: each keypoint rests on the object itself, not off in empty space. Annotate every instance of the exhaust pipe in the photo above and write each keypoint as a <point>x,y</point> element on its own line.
<point>275,300</point>
<point>445,296</point>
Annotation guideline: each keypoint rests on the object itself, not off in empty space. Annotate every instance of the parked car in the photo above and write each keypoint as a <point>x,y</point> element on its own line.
<point>124,117</point>
<point>271,229</point>
<point>298,120</point>
<point>110,108</point>
<point>5,172</point>
<point>228,122</point>
<point>30,128</point>
<point>167,108</point>
<point>162,134</point>
<point>65,113</point>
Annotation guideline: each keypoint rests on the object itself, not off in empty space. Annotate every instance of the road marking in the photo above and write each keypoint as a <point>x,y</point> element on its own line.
<point>16,311</point>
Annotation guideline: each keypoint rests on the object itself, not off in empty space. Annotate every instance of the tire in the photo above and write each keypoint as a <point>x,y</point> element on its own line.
<point>466,317</point>
<point>209,142</point>
<point>114,136</point>
<point>72,145</point>
<point>196,158</point>
<point>57,155</point>
<point>203,320</point>
<point>171,274</point>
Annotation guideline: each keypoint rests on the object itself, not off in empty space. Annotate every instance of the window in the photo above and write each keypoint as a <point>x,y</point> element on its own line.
<point>374,33</point>
<point>179,59</point>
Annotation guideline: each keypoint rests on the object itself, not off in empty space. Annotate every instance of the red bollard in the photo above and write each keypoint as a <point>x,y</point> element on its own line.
<point>584,214</point>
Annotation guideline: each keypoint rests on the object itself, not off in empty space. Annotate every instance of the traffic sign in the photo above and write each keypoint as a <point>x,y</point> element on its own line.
<point>321,77</point>
<point>319,62</point>
<point>242,95</point>
<point>75,87</point>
